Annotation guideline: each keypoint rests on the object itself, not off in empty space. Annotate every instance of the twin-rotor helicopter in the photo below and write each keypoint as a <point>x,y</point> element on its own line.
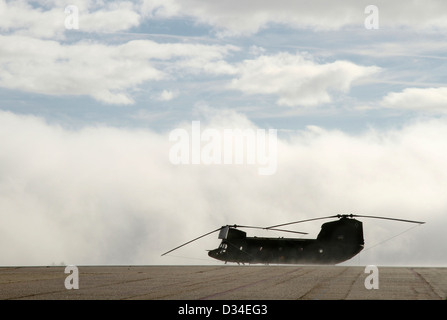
<point>337,241</point>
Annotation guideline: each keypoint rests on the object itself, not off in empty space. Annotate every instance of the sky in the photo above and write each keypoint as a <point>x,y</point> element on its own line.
<point>115,115</point>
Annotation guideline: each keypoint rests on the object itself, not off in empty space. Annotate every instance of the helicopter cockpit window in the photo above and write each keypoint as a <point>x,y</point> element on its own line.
<point>223,247</point>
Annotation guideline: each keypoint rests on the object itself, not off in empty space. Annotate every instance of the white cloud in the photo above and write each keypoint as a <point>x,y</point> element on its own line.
<point>21,18</point>
<point>421,99</point>
<point>297,79</point>
<point>160,8</point>
<point>228,18</point>
<point>47,67</point>
<point>243,18</point>
<point>108,73</point>
<point>48,20</point>
<point>103,195</point>
<point>166,95</point>
<point>113,17</point>
<point>236,18</point>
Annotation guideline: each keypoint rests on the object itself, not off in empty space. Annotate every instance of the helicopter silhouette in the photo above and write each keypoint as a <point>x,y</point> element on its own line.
<point>337,241</point>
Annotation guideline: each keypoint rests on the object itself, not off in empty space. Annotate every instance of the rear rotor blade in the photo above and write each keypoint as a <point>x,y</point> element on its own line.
<point>386,218</point>
<point>345,216</point>
<point>192,241</point>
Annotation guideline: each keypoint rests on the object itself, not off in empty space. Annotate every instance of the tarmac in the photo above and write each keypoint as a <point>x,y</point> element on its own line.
<point>223,282</point>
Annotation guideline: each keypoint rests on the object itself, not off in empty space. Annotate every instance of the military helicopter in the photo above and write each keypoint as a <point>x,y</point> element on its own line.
<point>337,241</point>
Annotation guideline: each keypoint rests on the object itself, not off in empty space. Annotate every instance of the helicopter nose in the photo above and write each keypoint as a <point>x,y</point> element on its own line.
<point>212,253</point>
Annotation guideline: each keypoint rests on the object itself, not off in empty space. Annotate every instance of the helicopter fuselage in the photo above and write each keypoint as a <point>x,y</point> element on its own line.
<point>337,241</point>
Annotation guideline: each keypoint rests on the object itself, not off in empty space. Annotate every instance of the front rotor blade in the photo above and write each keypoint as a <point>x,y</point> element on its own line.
<point>247,227</point>
<point>283,230</point>
<point>192,241</point>
<point>300,221</point>
<point>268,228</point>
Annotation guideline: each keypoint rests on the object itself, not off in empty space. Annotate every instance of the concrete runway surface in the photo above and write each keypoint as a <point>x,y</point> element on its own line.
<point>223,282</point>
